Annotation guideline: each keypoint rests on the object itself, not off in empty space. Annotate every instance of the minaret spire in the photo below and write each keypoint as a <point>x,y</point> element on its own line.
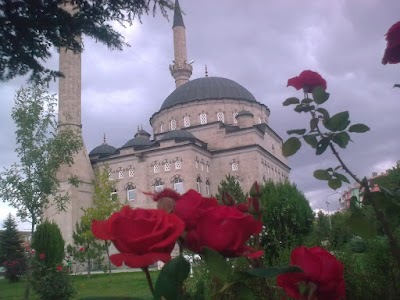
<point>180,70</point>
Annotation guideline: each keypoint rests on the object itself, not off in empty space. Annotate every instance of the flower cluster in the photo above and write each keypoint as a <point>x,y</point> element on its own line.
<point>145,236</point>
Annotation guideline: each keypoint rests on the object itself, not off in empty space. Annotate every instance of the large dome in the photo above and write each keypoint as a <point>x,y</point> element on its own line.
<point>207,88</point>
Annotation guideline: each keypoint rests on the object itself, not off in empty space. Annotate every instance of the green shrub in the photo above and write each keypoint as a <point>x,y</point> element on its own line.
<point>47,240</point>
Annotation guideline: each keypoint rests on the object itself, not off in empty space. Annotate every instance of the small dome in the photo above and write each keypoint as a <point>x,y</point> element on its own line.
<point>178,134</point>
<point>103,149</point>
<point>208,88</point>
<point>142,133</point>
<point>244,113</point>
<point>138,141</point>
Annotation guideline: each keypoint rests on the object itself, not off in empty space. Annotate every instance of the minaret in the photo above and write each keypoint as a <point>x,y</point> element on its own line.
<point>69,116</point>
<point>180,70</point>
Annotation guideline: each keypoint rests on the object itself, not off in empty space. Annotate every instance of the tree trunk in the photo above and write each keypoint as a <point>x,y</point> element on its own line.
<point>108,256</point>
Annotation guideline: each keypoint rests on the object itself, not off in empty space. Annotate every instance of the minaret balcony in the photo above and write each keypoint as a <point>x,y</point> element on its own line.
<point>177,66</point>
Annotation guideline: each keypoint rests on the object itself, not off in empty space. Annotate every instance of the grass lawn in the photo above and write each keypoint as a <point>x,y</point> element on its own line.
<point>132,285</point>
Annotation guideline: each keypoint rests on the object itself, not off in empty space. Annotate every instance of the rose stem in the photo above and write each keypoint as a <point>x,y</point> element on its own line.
<point>150,283</point>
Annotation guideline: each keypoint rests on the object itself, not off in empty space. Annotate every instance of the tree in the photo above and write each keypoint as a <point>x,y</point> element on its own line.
<point>27,185</point>
<point>11,250</point>
<point>103,206</point>
<point>287,216</point>
<point>232,187</point>
<point>30,29</point>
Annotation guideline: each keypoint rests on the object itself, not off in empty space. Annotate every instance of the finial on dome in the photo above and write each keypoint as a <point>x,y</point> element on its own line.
<point>206,71</point>
<point>104,138</point>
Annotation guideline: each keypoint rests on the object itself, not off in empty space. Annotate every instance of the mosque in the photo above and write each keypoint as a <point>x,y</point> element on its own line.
<point>205,129</point>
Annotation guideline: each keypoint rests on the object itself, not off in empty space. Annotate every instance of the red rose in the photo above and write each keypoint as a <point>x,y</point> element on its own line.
<point>190,206</point>
<point>226,230</point>
<point>81,249</point>
<point>142,236</point>
<point>59,268</point>
<point>165,199</point>
<point>322,275</point>
<point>307,80</point>
<point>392,51</point>
<point>42,256</point>
<point>242,207</point>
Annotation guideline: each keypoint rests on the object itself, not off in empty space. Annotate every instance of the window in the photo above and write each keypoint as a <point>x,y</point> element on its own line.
<point>178,185</point>
<point>198,184</point>
<point>186,121</point>
<point>131,172</point>
<point>207,188</point>
<point>202,166</point>
<point>220,116</point>
<point>197,164</point>
<point>234,117</point>
<point>235,166</point>
<point>273,149</point>
<point>259,120</point>
<point>156,168</point>
<point>203,118</point>
<point>131,194</point>
<point>120,174</point>
<point>161,128</point>
<point>167,167</point>
<point>178,165</point>
<point>173,124</point>
<point>114,195</point>
<point>158,186</point>
<point>208,167</point>
<point>110,176</point>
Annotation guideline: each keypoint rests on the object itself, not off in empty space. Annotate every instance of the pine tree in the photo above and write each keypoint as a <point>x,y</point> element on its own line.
<point>233,188</point>
<point>11,250</point>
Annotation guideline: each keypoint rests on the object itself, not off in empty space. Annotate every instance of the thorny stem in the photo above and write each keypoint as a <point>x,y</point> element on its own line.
<point>148,277</point>
<point>394,246</point>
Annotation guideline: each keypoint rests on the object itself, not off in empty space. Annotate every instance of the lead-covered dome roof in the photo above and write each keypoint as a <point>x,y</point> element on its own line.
<point>178,134</point>
<point>207,88</point>
<point>103,149</point>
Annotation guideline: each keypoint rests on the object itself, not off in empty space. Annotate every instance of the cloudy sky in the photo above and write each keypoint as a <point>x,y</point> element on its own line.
<point>259,44</point>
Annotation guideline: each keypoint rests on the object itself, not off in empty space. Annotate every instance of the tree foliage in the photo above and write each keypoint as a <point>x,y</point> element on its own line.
<point>287,216</point>
<point>27,185</point>
<point>29,30</point>
<point>87,247</point>
<point>233,188</point>
<point>11,251</point>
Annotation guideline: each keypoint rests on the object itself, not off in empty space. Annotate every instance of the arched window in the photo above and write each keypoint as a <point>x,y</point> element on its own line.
<point>234,117</point>
<point>207,187</point>
<point>259,120</point>
<point>178,165</point>
<point>235,166</point>
<point>156,168</point>
<point>161,128</point>
<point>110,176</point>
<point>120,174</point>
<point>131,172</point>
<point>167,167</point>
<point>198,184</point>
<point>158,185</point>
<point>178,185</point>
<point>203,118</point>
<point>114,194</point>
<point>220,116</point>
<point>186,121</point>
<point>130,192</point>
<point>173,124</point>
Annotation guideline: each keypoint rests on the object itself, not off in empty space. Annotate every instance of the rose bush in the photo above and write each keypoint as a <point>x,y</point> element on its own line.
<point>143,236</point>
<point>392,51</point>
<point>307,80</point>
<point>322,276</point>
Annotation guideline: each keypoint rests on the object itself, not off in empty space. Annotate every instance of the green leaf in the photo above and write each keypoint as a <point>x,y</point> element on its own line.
<point>361,225</point>
<point>313,123</point>
<point>341,139</point>
<point>289,101</point>
<point>341,177</point>
<point>171,278</point>
<point>306,101</point>
<point>359,128</point>
<point>299,108</point>
<point>334,183</point>
<point>216,264</point>
<point>297,131</point>
<point>291,146</point>
<point>323,112</point>
<point>338,122</point>
<point>322,174</point>
<point>322,145</point>
<point>319,95</point>
<point>273,271</point>
<point>311,140</point>
<point>308,108</point>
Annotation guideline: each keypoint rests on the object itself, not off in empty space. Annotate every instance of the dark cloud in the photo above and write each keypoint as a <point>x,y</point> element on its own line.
<point>259,44</point>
